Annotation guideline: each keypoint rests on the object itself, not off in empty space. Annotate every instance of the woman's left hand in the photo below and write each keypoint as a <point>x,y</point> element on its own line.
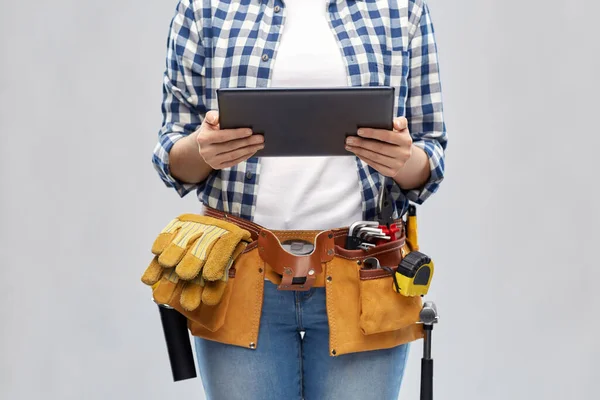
<point>386,151</point>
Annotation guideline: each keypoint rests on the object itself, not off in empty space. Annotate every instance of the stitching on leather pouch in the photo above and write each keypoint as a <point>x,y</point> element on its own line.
<point>369,278</point>
<point>251,246</point>
<point>330,315</point>
<point>237,221</point>
<point>371,254</point>
<point>246,226</point>
<point>256,323</point>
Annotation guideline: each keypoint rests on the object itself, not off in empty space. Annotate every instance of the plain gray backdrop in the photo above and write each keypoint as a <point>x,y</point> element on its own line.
<point>513,230</point>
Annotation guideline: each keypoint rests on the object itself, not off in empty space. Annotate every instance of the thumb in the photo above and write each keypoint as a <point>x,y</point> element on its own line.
<point>212,117</point>
<point>400,123</point>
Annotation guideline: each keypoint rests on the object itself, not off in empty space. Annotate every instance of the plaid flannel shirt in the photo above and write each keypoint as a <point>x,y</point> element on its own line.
<point>232,43</point>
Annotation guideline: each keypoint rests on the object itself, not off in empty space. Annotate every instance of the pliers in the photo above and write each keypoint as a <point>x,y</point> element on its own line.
<point>385,215</point>
<point>361,234</point>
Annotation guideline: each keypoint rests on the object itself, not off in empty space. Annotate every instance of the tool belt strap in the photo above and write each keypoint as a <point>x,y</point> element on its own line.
<point>306,269</point>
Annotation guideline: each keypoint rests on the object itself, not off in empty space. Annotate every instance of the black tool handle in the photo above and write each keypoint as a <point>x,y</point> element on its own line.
<point>352,243</point>
<point>426,379</point>
<point>178,344</point>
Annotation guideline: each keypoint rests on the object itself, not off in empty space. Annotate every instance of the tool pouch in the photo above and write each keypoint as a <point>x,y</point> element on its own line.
<point>190,271</point>
<point>381,308</point>
<point>364,311</point>
<point>211,317</point>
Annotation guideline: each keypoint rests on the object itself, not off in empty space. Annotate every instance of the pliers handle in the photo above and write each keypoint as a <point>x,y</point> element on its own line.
<point>385,214</point>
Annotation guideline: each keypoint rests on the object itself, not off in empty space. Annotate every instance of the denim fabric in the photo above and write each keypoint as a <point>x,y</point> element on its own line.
<point>287,366</point>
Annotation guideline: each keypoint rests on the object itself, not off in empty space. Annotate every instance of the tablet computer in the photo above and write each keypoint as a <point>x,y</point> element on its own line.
<point>306,121</point>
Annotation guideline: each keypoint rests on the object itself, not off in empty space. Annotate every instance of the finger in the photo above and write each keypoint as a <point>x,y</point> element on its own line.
<point>190,265</point>
<point>400,123</point>
<point>382,135</point>
<point>379,158</point>
<point>379,167</point>
<point>213,292</point>
<point>153,273</point>
<point>191,295</point>
<point>174,252</point>
<point>212,118</point>
<point>208,136</point>
<point>235,157</point>
<point>237,161</point>
<point>163,240</point>
<point>253,140</point>
<point>222,254</point>
<point>376,146</point>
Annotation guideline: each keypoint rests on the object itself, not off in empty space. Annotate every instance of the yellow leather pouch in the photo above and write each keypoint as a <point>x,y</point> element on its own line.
<point>193,257</point>
<point>381,308</point>
<point>363,310</point>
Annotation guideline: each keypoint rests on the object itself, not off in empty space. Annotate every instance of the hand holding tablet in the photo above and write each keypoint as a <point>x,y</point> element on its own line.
<point>223,148</point>
<point>387,151</point>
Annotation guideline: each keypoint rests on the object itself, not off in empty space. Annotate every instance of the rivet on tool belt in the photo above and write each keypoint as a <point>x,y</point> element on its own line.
<point>298,269</point>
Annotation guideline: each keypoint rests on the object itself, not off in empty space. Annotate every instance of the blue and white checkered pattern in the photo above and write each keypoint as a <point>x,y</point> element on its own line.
<point>232,43</point>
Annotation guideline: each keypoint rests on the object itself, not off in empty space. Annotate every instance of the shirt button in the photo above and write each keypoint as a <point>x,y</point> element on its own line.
<point>265,57</point>
<point>249,175</point>
<point>277,9</point>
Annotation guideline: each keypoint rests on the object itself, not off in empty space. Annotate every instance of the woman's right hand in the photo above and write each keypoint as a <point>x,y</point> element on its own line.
<point>225,148</point>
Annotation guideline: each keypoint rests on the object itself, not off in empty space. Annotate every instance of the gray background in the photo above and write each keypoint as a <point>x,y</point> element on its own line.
<point>513,229</point>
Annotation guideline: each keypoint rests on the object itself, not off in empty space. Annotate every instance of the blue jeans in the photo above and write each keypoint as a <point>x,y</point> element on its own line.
<point>286,366</point>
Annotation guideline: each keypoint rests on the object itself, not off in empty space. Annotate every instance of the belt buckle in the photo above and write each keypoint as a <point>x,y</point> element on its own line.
<point>297,247</point>
<point>296,260</point>
<point>304,286</point>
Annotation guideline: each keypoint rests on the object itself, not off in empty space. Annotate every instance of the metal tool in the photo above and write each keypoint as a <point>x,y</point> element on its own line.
<point>378,236</point>
<point>385,208</point>
<point>361,224</point>
<point>363,234</point>
<point>353,242</point>
<point>371,263</point>
<point>428,317</point>
<point>366,246</point>
<point>385,214</point>
<point>364,230</point>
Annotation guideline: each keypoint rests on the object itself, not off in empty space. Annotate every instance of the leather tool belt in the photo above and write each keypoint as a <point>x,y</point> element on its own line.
<point>295,258</point>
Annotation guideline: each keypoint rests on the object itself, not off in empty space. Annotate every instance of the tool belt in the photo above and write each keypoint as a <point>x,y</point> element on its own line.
<point>363,311</point>
<point>301,272</point>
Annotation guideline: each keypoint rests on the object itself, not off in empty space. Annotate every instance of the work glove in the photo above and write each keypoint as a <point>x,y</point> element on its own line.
<point>195,253</point>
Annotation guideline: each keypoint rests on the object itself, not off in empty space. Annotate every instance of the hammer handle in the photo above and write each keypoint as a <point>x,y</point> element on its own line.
<point>426,379</point>
<point>178,344</point>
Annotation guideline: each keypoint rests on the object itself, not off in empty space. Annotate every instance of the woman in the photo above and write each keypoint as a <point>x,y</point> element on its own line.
<point>301,43</point>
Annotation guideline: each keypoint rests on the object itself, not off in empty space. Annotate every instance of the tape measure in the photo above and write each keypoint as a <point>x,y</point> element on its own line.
<point>413,275</point>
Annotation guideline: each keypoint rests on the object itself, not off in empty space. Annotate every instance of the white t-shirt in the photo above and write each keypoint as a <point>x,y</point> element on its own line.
<point>308,192</point>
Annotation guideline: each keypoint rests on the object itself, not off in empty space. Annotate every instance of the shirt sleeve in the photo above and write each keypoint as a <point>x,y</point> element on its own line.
<point>183,85</point>
<point>424,110</point>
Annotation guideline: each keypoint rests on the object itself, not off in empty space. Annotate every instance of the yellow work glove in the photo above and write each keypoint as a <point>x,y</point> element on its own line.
<point>195,252</point>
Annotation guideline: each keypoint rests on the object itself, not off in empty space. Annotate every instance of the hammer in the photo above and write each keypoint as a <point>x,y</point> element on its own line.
<point>178,343</point>
<point>428,316</point>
